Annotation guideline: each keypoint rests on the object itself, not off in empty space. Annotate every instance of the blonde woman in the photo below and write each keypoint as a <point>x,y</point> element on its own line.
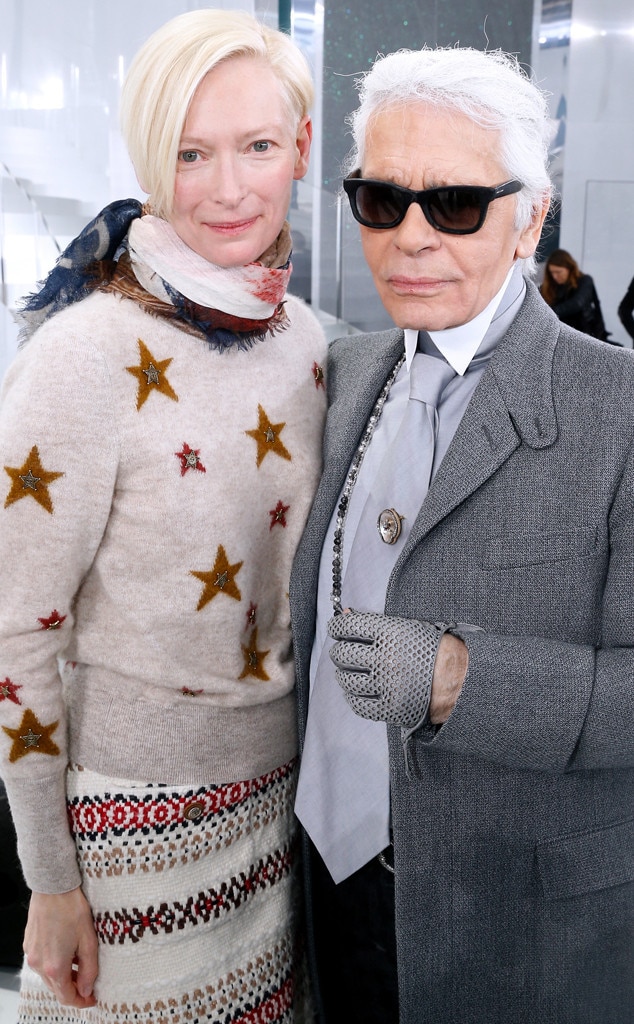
<point>160,442</point>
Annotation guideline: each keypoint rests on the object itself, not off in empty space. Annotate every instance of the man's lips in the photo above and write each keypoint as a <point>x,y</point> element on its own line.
<point>416,285</point>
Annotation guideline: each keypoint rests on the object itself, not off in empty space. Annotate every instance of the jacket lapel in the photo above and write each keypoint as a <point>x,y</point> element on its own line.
<point>511,405</point>
<point>363,369</point>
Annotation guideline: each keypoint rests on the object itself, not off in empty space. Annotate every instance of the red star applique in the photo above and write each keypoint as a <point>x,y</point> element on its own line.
<point>150,374</point>
<point>8,691</point>
<point>31,737</point>
<point>278,514</point>
<point>251,614</point>
<point>31,479</point>
<point>220,580</point>
<point>189,459</point>
<point>185,690</point>
<point>253,659</point>
<point>54,620</point>
<point>267,437</point>
<point>318,374</point>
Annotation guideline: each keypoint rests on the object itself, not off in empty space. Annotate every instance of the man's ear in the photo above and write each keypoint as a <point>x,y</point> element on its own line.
<point>529,239</point>
<point>302,142</point>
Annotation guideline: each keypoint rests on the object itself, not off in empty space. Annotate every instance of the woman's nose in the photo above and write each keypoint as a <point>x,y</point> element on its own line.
<point>226,181</point>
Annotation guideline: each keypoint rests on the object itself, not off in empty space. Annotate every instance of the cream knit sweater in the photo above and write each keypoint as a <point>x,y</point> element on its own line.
<point>153,495</point>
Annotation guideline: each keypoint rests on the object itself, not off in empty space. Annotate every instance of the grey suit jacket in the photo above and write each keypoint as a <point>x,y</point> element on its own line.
<point>514,840</point>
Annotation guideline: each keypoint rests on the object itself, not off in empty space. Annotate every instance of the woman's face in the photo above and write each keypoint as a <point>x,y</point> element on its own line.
<point>559,275</point>
<point>238,156</point>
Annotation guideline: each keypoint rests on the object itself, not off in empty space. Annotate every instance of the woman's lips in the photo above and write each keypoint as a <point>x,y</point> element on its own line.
<point>233,228</point>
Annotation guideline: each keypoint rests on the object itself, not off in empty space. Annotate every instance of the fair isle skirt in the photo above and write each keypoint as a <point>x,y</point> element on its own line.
<point>195,898</point>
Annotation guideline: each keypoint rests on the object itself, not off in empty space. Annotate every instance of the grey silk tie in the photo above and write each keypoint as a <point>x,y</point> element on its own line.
<point>343,791</point>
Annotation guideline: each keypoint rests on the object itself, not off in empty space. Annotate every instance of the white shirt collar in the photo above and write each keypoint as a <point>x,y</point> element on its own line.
<point>459,344</point>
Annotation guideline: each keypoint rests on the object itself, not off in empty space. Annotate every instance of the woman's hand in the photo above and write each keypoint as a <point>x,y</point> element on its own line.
<point>61,946</point>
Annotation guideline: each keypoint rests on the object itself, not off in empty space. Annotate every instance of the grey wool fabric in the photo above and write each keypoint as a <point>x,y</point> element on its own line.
<point>514,833</point>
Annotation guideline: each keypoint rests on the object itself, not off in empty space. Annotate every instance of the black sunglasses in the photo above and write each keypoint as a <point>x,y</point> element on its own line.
<point>454,209</point>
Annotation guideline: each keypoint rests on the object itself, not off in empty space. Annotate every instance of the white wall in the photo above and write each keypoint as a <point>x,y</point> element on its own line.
<point>61,67</point>
<point>597,224</point>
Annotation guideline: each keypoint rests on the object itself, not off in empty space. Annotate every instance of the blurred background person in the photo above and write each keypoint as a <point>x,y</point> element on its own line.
<point>626,310</point>
<point>160,438</point>
<point>572,295</point>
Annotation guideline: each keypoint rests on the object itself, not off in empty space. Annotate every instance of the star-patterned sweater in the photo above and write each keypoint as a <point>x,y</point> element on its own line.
<point>154,493</point>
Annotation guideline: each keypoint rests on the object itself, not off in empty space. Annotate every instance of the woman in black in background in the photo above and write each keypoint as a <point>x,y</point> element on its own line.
<point>572,295</point>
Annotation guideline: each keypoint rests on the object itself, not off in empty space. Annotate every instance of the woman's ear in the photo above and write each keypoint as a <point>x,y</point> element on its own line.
<point>302,143</point>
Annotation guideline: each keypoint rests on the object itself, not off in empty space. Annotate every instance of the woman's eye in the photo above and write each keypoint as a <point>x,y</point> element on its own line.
<point>188,156</point>
<point>261,146</point>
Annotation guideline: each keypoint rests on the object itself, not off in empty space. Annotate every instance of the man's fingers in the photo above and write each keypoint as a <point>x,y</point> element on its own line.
<point>353,626</point>
<point>352,656</point>
<point>357,684</point>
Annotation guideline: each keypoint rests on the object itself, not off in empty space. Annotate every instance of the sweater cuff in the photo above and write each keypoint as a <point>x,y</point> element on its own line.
<point>46,849</point>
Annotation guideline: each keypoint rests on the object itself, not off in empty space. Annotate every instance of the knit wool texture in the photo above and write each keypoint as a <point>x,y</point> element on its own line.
<point>153,495</point>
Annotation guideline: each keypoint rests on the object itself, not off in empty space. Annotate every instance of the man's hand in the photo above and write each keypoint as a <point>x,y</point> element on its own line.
<point>385,666</point>
<point>61,945</point>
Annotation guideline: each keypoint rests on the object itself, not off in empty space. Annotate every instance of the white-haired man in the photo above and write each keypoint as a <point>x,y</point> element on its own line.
<point>466,713</point>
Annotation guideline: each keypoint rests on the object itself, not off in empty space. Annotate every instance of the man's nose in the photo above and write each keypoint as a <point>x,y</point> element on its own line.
<point>415,232</point>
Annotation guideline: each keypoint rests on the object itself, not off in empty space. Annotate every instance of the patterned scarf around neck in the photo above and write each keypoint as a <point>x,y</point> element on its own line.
<point>130,252</point>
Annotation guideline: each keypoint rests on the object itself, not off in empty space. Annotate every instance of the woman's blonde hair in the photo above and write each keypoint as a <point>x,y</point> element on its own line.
<point>169,67</point>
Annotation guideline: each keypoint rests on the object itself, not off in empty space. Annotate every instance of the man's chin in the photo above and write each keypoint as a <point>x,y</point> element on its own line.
<point>416,313</point>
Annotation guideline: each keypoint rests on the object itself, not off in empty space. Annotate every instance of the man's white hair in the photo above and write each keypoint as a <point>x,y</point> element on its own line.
<point>490,87</point>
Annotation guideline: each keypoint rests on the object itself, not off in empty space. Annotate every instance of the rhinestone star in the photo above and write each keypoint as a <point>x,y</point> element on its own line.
<point>31,736</point>
<point>31,479</point>
<point>220,579</point>
<point>151,376</point>
<point>267,437</point>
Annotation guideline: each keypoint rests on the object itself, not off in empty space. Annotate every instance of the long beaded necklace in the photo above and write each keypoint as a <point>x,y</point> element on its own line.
<point>351,479</point>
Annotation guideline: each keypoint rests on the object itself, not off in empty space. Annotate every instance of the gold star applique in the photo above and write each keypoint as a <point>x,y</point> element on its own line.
<point>31,737</point>
<point>278,514</point>
<point>318,374</point>
<point>221,579</point>
<point>8,691</point>
<point>267,437</point>
<point>150,373</point>
<point>31,479</point>
<point>253,659</point>
<point>54,621</point>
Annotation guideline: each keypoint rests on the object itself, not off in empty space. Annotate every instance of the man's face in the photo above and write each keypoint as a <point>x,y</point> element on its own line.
<point>425,278</point>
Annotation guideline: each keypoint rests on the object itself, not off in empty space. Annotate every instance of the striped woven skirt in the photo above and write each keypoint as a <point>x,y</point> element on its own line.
<point>195,898</point>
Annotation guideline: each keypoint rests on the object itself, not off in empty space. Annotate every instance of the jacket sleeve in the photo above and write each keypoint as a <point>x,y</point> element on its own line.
<point>543,704</point>
<point>577,302</point>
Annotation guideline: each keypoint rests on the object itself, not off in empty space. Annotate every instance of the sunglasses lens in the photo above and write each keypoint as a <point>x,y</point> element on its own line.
<point>379,204</point>
<point>458,210</point>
